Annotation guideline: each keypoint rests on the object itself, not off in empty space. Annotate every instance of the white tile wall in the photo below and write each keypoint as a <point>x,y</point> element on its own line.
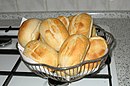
<point>8,5</point>
<point>119,5</point>
<point>31,5</point>
<point>62,5</point>
<point>93,4</point>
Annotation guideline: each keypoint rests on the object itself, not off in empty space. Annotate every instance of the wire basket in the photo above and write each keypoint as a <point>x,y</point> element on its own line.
<point>74,73</point>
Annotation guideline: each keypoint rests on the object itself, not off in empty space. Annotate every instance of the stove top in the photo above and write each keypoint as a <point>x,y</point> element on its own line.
<point>13,71</point>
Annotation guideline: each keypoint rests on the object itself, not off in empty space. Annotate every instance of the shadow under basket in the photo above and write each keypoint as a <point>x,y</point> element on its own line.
<point>64,75</point>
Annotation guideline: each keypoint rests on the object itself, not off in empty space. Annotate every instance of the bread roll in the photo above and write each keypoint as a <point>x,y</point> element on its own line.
<point>98,48</point>
<point>53,32</point>
<point>29,30</point>
<point>81,24</point>
<point>73,50</point>
<point>94,33</point>
<point>64,20</point>
<point>41,53</point>
<point>70,17</point>
<point>41,39</point>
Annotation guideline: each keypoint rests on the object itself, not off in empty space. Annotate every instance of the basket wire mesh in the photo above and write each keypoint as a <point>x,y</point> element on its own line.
<point>74,73</point>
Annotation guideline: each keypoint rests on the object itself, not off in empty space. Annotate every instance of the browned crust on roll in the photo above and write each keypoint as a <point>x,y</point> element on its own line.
<point>94,33</point>
<point>73,50</point>
<point>81,24</point>
<point>64,20</point>
<point>53,32</point>
<point>29,30</point>
<point>70,17</point>
<point>98,48</point>
<point>41,53</point>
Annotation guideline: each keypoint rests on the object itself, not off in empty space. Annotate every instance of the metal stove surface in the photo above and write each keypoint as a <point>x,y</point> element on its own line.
<point>13,71</point>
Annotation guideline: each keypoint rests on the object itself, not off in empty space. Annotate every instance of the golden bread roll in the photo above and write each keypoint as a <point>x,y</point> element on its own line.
<point>53,32</point>
<point>73,51</point>
<point>41,53</point>
<point>64,20</point>
<point>70,17</point>
<point>29,30</point>
<point>97,49</point>
<point>81,24</point>
<point>41,39</point>
<point>94,33</point>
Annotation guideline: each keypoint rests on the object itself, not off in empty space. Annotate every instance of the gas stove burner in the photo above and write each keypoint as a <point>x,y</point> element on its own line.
<point>52,82</point>
<point>5,40</point>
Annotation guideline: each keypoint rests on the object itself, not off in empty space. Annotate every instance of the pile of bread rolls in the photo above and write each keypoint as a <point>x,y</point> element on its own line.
<point>61,42</point>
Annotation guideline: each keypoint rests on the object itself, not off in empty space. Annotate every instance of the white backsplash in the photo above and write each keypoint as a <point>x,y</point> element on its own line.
<point>62,5</point>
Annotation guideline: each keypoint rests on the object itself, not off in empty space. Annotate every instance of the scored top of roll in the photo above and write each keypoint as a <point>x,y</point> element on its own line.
<point>73,50</point>
<point>53,32</point>
<point>81,24</point>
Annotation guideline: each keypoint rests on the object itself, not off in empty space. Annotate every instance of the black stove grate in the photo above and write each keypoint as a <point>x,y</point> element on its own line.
<point>13,72</point>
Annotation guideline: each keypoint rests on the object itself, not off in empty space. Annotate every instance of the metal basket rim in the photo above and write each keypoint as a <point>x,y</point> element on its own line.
<point>67,68</point>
